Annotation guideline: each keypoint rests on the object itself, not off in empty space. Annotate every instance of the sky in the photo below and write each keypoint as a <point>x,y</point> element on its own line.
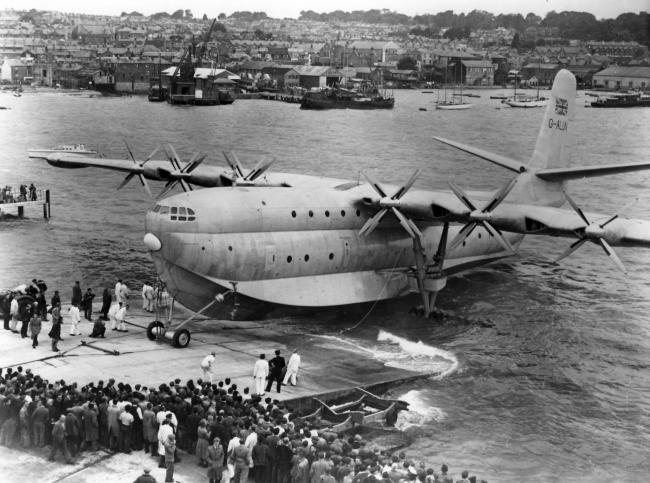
<point>283,8</point>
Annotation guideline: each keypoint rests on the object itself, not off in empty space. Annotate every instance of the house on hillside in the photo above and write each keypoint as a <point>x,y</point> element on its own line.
<point>478,72</point>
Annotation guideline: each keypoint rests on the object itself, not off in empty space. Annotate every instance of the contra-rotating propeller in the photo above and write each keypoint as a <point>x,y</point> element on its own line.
<point>391,203</point>
<point>481,216</point>
<point>594,232</point>
<point>180,175</point>
<point>140,166</point>
<point>238,178</point>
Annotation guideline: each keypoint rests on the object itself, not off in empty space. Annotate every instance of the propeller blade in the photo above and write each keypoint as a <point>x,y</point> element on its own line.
<point>153,153</point>
<point>128,148</point>
<point>439,257</point>
<point>126,180</point>
<point>612,255</point>
<point>499,236</point>
<point>402,191</point>
<point>143,180</point>
<point>372,222</point>
<point>375,185</point>
<point>500,196</point>
<point>462,235</point>
<point>192,166</point>
<point>234,163</point>
<point>622,211</point>
<point>574,246</point>
<point>461,195</point>
<point>404,222</point>
<point>168,187</point>
<point>576,208</point>
<point>259,170</point>
<point>173,158</point>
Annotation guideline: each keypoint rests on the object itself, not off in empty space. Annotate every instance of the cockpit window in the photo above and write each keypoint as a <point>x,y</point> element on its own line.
<point>176,213</point>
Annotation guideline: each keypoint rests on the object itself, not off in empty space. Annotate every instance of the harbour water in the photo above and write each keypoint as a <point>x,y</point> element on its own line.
<point>546,367</point>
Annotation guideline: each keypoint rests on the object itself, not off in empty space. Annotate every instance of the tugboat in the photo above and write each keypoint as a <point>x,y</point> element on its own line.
<point>634,99</point>
<point>368,97</point>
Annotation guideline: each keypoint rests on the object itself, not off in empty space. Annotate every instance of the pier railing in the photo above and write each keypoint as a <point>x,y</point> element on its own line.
<point>11,197</point>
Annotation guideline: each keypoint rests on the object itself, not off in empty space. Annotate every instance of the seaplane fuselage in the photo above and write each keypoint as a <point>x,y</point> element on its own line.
<point>298,247</point>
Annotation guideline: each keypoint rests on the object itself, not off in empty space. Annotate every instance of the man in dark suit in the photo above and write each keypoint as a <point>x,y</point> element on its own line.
<point>276,366</point>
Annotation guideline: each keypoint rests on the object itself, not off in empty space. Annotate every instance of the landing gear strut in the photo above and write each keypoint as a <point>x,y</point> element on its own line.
<point>178,336</point>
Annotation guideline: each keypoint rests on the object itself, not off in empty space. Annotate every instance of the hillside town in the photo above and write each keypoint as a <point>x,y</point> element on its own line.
<point>248,51</point>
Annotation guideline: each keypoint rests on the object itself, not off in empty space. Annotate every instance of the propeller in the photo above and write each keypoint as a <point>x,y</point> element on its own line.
<point>139,172</point>
<point>391,203</point>
<point>481,216</point>
<point>238,177</point>
<point>594,232</point>
<point>180,175</point>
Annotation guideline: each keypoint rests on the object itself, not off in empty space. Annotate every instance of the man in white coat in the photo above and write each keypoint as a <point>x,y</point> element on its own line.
<point>206,365</point>
<point>292,368</point>
<point>111,314</point>
<point>120,317</point>
<point>75,318</point>
<point>145,287</point>
<point>260,373</point>
<point>13,310</point>
<point>118,290</point>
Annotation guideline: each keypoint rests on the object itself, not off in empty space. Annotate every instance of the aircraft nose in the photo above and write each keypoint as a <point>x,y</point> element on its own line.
<point>152,242</point>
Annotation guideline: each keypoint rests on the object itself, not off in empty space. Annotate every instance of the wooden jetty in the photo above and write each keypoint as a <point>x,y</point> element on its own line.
<point>9,202</point>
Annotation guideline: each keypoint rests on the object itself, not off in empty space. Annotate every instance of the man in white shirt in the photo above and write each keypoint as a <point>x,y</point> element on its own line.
<point>292,368</point>
<point>260,373</point>
<point>118,290</point>
<point>145,287</point>
<point>206,365</point>
<point>124,292</point>
<point>111,314</point>
<point>75,318</point>
<point>13,310</point>
<point>120,317</point>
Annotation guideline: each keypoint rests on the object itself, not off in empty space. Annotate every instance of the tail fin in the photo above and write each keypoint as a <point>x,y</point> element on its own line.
<point>551,148</point>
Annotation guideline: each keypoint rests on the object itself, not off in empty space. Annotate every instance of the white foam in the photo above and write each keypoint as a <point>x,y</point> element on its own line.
<point>420,412</point>
<point>444,360</point>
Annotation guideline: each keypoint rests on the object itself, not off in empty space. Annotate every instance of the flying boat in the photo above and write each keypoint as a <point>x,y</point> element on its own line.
<point>253,241</point>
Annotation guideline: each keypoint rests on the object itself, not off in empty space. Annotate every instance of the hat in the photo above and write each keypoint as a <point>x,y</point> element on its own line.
<point>147,470</point>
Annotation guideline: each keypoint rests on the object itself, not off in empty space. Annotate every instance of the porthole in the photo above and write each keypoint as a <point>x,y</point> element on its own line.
<point>203,248</point>
<point>479,235</point>
<point>331,256</point>
<point>358,212</point>
<point>263,203</point>
<point>229,248</point>
<point>327,214</point>
<point>289,259</point>
<point>306,258</point>
<point>342,212</point>
<point>311,213</point>
<point>293,214</point>
<point>463,243</point>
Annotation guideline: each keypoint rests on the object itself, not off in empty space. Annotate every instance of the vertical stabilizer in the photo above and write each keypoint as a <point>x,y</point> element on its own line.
<point>551,148</point>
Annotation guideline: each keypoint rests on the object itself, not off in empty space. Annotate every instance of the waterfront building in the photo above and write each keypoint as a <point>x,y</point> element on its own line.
<point>623,77</point>
<point>478,72</point>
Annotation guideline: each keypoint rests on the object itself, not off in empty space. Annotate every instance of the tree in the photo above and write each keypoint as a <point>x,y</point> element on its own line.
<point>515,41</point>
<point>188,13</point>
<point>533,20</point>
<point>407,63</point>
<point>178,14</point>
<point>221,16</point>
<point>205,16</point>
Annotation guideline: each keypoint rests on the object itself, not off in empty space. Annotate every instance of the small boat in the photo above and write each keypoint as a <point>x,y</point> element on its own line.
<point>471,95</point>
<point>364,408</point>
<point>635,99</point>
<point>499,96</point>
<point>62,148</point>
<point>453,106</point>
<point>526,101</point>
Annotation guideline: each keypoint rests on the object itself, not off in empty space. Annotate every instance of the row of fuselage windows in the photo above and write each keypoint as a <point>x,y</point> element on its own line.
<point>176,213</point>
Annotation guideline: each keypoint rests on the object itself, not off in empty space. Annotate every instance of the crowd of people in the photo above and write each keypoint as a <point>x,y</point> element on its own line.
<point>235,436</point>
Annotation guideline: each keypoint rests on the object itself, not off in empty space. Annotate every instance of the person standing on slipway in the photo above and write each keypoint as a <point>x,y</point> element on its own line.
<point>292,368</point>
<point>260,373</point>
<point>206,365</point>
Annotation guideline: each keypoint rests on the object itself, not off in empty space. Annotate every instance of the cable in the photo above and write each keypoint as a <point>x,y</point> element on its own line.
<point>374,304</point>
